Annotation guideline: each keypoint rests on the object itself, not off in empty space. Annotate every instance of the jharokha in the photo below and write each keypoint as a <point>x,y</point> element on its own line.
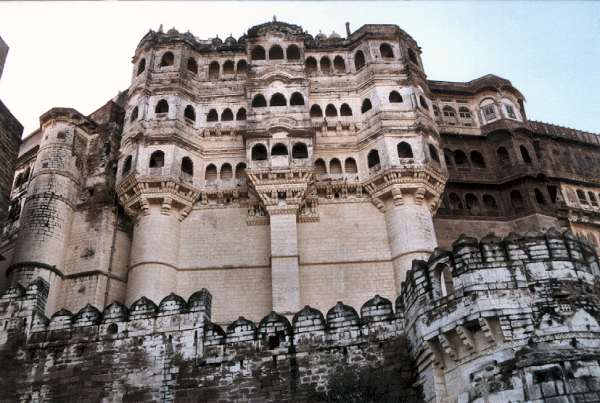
<point>191,240</point>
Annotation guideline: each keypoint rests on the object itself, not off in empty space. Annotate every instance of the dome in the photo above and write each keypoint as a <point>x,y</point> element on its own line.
<point>216,41</point>
<point>274,323</point>
<point>172,304</point>
<point>377,308</point>
<point>143,308</point>
<point>200,300</point>
<point>321,36</point>
<point>334,35</point>
<point>241,330</point>
<point>230,40</point>
<point>342,315</point>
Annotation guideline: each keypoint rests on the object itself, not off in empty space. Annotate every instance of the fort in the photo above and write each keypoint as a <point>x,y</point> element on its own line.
<point>252,212</point>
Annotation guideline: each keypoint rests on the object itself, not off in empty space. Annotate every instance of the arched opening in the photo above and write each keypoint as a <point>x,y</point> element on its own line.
<point>581,196</point>
<point>443,282</point>
<point>134,114</point>
<point>434,153</point>
<point>455,202</point>
<point>192,66</point>
<point>226,172</point>
<point>167,59</point>
<point>275,53</point>
<point>471,202</point>
<point>141,66</point>
<point>465,113</point>
<point>279,149</point>
<point>412,56</point>
<point>227,115</point>
<point>241,114</point>
<point>157,159</point>
<point>350,166</point>
<point>423,102</point>
<point>258,53</point>
<point>516,200</point>
<point>310,65</point>
<point>240,171</point>
<point>502,155</point>
<point>366,105</point>
<point>460,158</point>
<point>386,51</point>
<point>449,114</point>
<point>187,166</point>
<point>320,167</point>
<point>213,70</point>
<point>539,197</point>
<point>330,111</point>
<point>591,196</point>
<point>162,106</point>
<point>189,113</point>
<point>212,116</point>
<point>448,157</point>
<point>477,159</point>
<point>297,99</point>
<point>325,65</point>
<point>259,152</point>
<point>404,150</point>
<point>335,167</point>
<point>339,65</point>
<point>293,52</point>
<point>278,100</point>
<point>359,60</point>
<point>210,174</point>
<point>436,112</point>
<point>315,111</point>
<point>228,67</point>
<point>489,202</point>
<point>299,150</point>
<point>395,97</point>
<point>242,67</point>
<point>259,101</point>
<point>345,110</point>
<point>525,155</point>
<point>373,159</point>
<point>127,165</point>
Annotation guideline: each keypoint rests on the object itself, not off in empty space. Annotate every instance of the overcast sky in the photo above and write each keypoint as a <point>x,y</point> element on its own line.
<point>79,54</point>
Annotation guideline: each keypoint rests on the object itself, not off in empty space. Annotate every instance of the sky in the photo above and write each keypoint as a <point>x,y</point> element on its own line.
<point>79,54</point>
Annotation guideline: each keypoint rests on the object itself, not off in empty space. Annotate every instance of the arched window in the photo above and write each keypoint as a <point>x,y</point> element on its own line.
<point>162,106</point>
<point>502,155</point>
<point>259,152</point>
<point>449,113</point>
<point>581,196</point>
<point>516,200</point>
<point>228,67</point>
<point>189,113</point>
<point>434,153</point>
<point>297,99</point>
<point>454,202</point>
<point>134,114</point>
<point>157,159</point>
<point>258,53</point>
<point>448,157</point>
<point>395,97</point>
<point>423,102</point>
<point>279,149</point>
<point>477,159</point>
<point>226,172</point>
<point>213,70</point>
<point>335,166</point>
<point>192,66</point>
<point>339,65</point>
<point>293,52</point>
<point>141,66</point>
<point>460,158</point>
<point>325,65</point>
<point>311,65</point>
<point>299,150</point>
<point>412,56</point>
<point>210,174</point>
<point>275,53</point>
<point>241,114</point>
<point>442,283</point>
<point>404,150</point>
<point>373,158</point>
<point>350,166</point>
<point>227,115</point>
<point>471,202</point>
<point>127,165</point>
<point>366,105</point>
<point>278,100</point>
<point>539,197</point>
<point>330,111</point>
<point>436,111</point>
<point>591,195</point>
<point>212,116</point>
<point>187,166</point>
<point>242,67</point>
<point>465,113</point>
<point>167,59</point>
<point>320,167</point>
<point>489,202</point>
<point>488,109</point>
<point>259,101</point>
<point>315,111</point>
<point>386,51</point>
<point>359,60</point>
<point>240,171</point>
<point>345,110</point>
<point>525,155</point>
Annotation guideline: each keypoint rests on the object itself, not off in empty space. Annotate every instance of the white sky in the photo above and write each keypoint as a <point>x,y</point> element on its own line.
<point>79,54</point>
